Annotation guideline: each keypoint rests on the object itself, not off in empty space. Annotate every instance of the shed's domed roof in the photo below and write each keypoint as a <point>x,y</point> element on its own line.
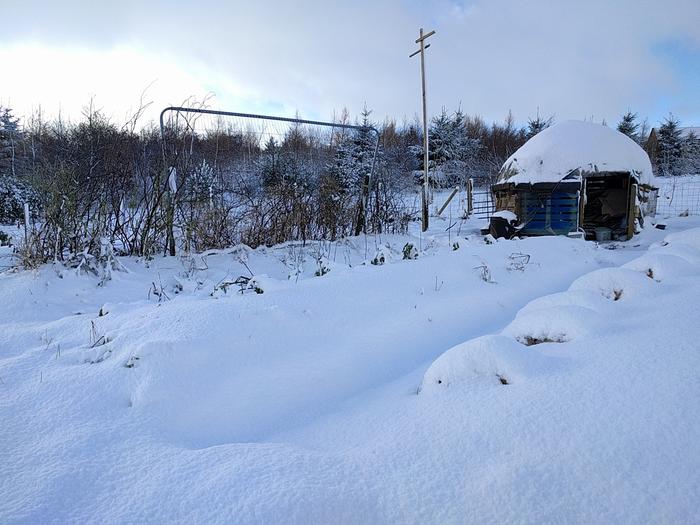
<point>559,150</point>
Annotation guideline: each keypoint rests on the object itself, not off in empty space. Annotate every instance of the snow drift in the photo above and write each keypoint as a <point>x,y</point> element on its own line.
<point>554,153</point>
<point>493,358</point>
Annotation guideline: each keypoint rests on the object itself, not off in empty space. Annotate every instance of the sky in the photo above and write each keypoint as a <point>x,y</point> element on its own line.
<point>589,60</point>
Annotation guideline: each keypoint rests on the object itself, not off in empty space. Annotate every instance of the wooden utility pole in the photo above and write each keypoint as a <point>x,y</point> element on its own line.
<point>423,46</point>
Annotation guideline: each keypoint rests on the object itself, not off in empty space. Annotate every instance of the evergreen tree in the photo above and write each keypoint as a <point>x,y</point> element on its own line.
<point>629,125</point>
<point>202,186</point>
<point>691,154</point>
<point>365,142</point>
<point>453,148</point>
<point>534,126</point>
<point>670,147</point>
<point>14,190</point>
<point>442,140</point>
<point>9,137</point>
<point>270,167</point>
<point>342,169</point>
<point>353,157</point>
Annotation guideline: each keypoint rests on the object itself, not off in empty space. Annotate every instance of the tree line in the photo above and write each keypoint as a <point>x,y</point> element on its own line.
<point>95,187</point>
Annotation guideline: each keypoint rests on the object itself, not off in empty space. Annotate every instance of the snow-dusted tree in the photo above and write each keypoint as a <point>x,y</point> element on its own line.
<point>450,148</point>
<point>670,147</point>
<point>353,157</point>
<point>691,154</point>
<point>269,163</point>
<point>15,191</point>
<point>343,168</point>
<point>9,137</point>
<point>345,186</point>
<point>442,145</point>
<point>365,144</point>
<point>201,185</point>
<point>534,126</point>
<point>629,126</point>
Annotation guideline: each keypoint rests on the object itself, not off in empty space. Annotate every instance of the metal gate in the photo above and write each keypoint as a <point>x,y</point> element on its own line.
<point>483,205</point>
<point>261,179</point>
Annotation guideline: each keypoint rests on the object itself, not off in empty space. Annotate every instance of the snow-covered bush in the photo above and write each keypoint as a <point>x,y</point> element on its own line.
<point>615,283</point>
<point>101,265</point>
<point>381,256</point>
<point>410,251</point>
<point>494,359</point>
<point>556,324</point>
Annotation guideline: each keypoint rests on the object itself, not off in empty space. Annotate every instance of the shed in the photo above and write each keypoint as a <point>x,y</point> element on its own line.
<point>575,177</point>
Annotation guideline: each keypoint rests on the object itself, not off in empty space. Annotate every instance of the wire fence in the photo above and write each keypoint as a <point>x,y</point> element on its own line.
<point>678,196</point>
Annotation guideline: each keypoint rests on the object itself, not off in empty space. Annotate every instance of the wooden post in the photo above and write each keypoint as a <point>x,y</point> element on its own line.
<point>454,192</point>
<point>631,210</point>
<point>470,197</point>
<point>426,201</point>
<point>26,223</point>
<point>424,195</point>
<point>582,204</point>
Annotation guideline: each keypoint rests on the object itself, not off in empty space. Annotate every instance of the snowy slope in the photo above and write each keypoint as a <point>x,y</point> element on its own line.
<point>300,404</point>
<point>566,146</point>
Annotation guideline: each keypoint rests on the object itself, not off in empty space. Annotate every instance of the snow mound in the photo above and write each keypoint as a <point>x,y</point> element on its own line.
<point>557,324</point>
<point>690,237</point>
<point>495,358</point>
<point>555,152</point>
<point>507,215</point>
<point>585,298</point>
<point>615,283</point>
<point>682,250</point>
<point>662,266</point>
<point>685,244</point>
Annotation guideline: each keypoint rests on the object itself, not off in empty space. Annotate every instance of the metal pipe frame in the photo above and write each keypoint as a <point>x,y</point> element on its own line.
<point>180,109</point>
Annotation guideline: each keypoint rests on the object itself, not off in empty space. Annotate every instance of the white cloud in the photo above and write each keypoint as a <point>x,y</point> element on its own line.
<point>574,59</point>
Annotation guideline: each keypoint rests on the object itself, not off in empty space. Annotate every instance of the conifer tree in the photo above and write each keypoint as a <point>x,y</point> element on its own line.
<point>9,137</point>
<point>691,153</point>
<point>670,149</point>
<point>629,125</point>
<point>534,126</point>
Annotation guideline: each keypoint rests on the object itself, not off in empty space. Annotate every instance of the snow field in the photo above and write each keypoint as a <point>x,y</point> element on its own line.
<point>299,404</point>
<point>572,315</point>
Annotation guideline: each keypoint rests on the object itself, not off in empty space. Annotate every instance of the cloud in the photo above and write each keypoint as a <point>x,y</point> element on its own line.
<point>573,59</point>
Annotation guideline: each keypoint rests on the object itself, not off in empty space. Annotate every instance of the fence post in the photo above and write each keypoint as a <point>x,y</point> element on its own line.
<point>454,192</point>
<point>26,223</point>
<point>631,210</point>
<point>470,197</point>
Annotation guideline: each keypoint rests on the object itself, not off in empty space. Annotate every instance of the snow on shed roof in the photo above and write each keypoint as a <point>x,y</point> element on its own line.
<point>555,152</point>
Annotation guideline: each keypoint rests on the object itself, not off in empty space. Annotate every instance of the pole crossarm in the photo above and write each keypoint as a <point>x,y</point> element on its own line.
<point>424,37</point>
<point>418,51</point>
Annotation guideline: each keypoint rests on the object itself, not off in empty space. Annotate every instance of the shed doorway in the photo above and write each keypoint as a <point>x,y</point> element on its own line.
<point>607,204</point>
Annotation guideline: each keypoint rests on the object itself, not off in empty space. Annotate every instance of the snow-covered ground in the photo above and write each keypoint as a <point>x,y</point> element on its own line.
<point>371,394</point>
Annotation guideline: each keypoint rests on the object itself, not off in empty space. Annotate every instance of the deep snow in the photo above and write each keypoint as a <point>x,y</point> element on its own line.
<point>569,145</point>
<point>318,400</point>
